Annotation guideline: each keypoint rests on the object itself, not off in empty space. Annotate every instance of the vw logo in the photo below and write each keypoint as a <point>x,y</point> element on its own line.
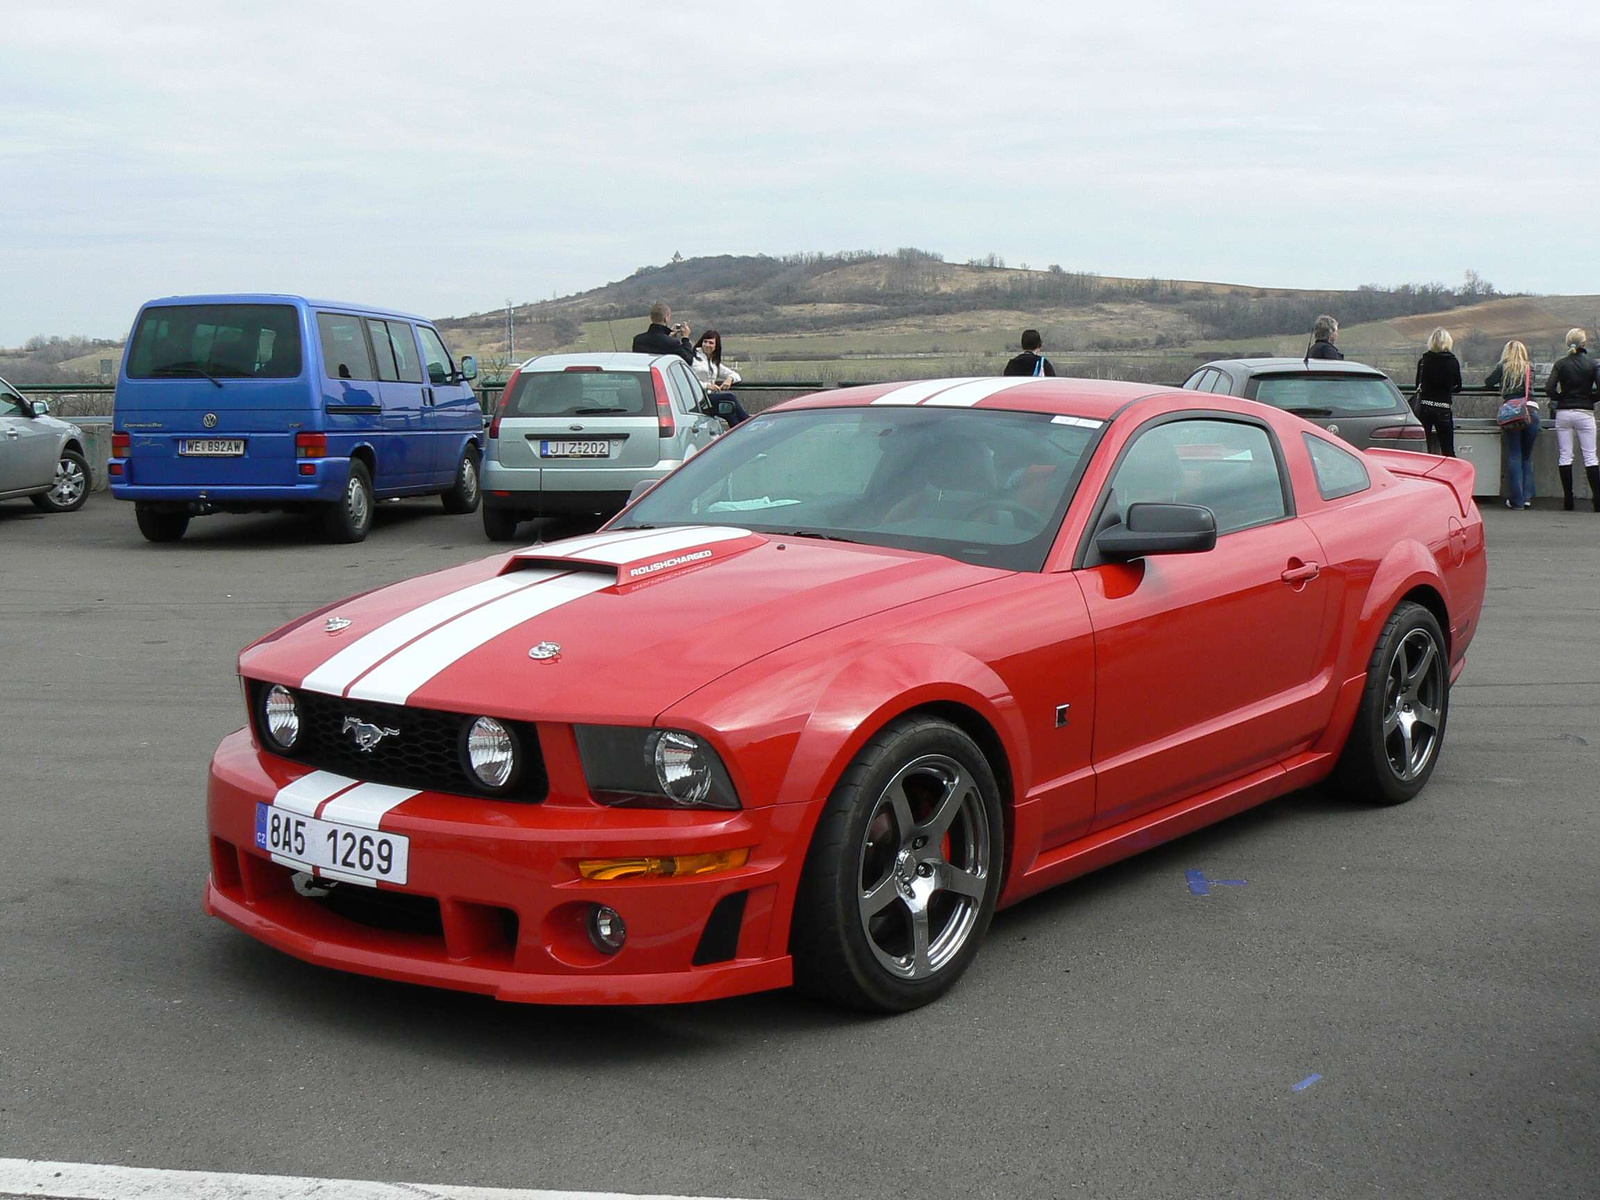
<point>367,736</point>
<point>545,651</point>
<point>209,420</point>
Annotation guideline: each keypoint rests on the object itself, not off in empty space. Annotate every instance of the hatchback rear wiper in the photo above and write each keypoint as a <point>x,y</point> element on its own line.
<point>185,369</point>
<point>590,412</point>
<point>1306,410</point>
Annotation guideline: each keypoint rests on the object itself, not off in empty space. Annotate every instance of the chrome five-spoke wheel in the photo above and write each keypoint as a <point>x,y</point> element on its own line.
<point>1398,733</point>
<point>1413,689</point>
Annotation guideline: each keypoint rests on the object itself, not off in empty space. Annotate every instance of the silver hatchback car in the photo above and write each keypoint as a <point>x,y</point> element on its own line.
<point>40,457</point>
<point>576,433</point>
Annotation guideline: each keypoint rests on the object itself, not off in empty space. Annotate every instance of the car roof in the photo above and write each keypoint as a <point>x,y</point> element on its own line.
<point>609,361</point>
<point>1100,399</point>
<point>1279,366</point>
<point>283,298</point>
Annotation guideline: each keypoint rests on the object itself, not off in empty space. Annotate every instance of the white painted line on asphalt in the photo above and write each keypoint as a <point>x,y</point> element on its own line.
<point>90,1181</point>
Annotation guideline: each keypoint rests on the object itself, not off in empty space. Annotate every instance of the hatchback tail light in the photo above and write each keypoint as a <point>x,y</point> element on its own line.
<point>663,405</point>
<point>505,399</point>
<point>311,445</point>
<point>1407,433</point>
<point>121,445</point>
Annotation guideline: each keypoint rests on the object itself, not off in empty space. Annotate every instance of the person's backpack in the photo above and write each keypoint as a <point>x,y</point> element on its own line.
<point>1038,366</point>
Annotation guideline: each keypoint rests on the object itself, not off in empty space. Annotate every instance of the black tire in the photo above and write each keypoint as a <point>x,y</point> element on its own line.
<point>862,852</point>
<point>348,519</point>
<point>72,485</point>
<point>158,525</point>
<point>465,492</point>
<point>1408,685</point>
<point>499,524</point>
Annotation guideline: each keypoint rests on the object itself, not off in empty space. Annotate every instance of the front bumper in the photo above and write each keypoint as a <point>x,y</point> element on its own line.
<point>503,878</point>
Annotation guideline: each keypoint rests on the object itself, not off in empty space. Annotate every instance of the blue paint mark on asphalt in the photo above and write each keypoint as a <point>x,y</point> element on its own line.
<point>1306,1082</point>
<point>1199,885</point>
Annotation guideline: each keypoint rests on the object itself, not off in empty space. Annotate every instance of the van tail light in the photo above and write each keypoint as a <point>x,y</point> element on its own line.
<point>1406,433</point>
<point>663,405</point>
<point>311,445</point>
<point>505,399</point>
<point>121,445</point>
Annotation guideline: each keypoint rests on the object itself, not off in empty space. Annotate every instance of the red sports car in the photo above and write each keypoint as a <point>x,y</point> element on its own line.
<point>808,711</point>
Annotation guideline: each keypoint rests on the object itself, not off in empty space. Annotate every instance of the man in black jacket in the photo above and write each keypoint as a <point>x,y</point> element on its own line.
<point>1030,361</point>
<point>663,337</point>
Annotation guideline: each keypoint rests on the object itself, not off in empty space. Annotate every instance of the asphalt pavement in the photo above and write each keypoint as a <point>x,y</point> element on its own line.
<point>1394,1002</point>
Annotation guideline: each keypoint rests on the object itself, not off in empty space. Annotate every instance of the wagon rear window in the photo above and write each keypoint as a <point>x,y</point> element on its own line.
<point>225,341</point>
<point>582,393</point>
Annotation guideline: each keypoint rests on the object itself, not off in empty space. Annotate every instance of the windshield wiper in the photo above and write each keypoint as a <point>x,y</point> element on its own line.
<point>590,412</point>
<point>814,533</point>
<point>185,369</point>
<point>1306,410</point>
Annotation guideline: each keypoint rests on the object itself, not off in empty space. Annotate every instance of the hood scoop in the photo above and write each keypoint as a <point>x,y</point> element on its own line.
<point>637,555</point>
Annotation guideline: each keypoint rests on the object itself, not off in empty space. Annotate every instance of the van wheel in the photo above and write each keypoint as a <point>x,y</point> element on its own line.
<point>903,872</point>
<point>500,524</point>
<point>159,526</point>
<point>1399,729</point>
<point>463,494</point>
<point>349,519</point>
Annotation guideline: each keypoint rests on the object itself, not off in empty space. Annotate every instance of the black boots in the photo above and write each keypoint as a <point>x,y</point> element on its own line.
<point>1566,488</point>
<point>1594,485</point>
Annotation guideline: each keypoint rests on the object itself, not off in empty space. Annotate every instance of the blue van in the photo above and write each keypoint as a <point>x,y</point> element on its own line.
<point>256,403</point>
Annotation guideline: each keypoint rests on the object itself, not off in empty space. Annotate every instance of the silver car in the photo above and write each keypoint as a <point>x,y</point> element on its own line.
<point>40,457</point>
<point>576,433</point>
<point>1357,402</point>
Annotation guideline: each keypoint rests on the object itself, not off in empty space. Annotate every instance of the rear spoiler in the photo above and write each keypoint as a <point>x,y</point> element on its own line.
<point>1457,473</point>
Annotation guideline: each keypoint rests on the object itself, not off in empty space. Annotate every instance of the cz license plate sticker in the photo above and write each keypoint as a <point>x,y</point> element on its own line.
<point>570,449</point>
<point>212,447</point>
<point>367,854</point>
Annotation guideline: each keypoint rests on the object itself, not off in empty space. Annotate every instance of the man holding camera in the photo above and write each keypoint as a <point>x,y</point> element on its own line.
<point>664,335</point>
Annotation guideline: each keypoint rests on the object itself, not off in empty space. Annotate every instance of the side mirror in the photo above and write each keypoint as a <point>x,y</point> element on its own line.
<point>639,489</point>
<point>469,367</point>
<point>41,408</point>
<point>1159,529</point>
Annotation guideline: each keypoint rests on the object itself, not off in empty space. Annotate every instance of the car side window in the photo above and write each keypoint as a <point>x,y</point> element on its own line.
<point>440,366</point>
<point>1221,384</point>
<point>1199,380</point>
<point>688,390</point>
<point>9,407</point>
<point>1227,466</point>
<point>344,347</point>
<point>407,365</point>
<point>1339,472</point>
<point>382,351</point>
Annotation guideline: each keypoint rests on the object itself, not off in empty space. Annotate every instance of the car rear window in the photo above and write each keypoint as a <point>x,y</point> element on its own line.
<point>225,341</point>
<point>582,394</point>
<point>1343,395</point>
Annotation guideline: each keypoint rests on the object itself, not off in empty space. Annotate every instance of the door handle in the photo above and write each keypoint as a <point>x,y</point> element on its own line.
<point>427,396</point>
<point>1304,573</point>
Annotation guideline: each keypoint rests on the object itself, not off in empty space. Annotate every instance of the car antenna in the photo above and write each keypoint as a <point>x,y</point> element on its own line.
<point>613,334</point>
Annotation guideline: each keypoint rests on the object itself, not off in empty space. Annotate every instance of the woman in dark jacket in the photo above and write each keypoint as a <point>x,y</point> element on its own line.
<point>1571,388</point>
<point>1438,380</point>
<point>1513,375</point>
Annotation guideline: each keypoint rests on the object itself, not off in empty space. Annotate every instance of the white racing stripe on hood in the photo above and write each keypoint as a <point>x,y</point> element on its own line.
<point>393,681</point>
<point>364,806</point>
<point>968,394</point>
<point>577,545</point>
<point>303,795</point>
<point>667,541</point>
<point>361,655</point>
<point>916,393</point>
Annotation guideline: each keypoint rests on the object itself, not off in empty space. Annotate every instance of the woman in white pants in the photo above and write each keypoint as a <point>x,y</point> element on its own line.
<point>1572,388</point>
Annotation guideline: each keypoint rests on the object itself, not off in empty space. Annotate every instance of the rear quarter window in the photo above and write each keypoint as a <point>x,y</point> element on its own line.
<point>582,393</point>
<point>1343,395</point>
<point>1339,473</point>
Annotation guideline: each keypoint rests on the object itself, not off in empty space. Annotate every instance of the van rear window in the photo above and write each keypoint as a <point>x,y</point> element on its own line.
<point>582,394</point>
<point>224,341</point>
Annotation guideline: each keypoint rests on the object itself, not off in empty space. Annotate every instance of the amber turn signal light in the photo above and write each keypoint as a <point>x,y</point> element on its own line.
<point>605,870</point>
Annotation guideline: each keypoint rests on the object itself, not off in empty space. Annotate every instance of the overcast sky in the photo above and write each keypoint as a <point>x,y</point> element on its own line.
<point>443,157</point>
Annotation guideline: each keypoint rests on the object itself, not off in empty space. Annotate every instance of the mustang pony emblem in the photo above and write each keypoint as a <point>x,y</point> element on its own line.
<point>545,651</point>
<point>337,624</point>
<point>367,736</point>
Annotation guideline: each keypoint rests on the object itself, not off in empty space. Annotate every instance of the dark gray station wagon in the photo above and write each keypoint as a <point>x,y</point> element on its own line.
<point>1357,402</point>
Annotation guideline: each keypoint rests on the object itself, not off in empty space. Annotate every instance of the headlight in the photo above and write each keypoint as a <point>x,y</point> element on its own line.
<point>280,717</point>
<point>653,768</point>
<point>491,753</point>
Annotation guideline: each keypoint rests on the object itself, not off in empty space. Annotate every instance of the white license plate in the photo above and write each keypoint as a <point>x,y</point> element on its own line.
<point>592,449</point>
<point>339,849</point>
<point>212,447</point>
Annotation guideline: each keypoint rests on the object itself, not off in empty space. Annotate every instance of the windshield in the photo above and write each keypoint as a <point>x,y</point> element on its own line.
<point>1341,395</point>
<point>984,487</point>
<point>581,393</point>
<point>223,341</point>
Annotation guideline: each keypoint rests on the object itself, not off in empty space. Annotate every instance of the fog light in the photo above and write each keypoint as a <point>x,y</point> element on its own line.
<point>491,753</point>
<point>607,930</point>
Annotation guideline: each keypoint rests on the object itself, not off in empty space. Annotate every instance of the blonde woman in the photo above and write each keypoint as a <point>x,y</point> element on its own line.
<point>1438,380</point>
<point>1571,388</point>
<point>1513,375</point>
